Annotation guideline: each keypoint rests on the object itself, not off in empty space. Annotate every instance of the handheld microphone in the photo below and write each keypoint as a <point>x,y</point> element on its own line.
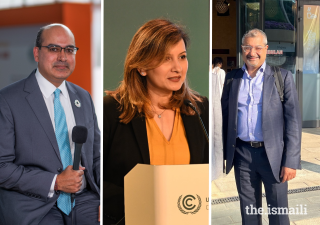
<point>188,103</point>
<point>79,136</point>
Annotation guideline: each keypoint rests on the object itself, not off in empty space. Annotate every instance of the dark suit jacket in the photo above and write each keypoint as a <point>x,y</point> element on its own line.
<point>29,153</point>
<point>125,145</point>
<point>281,122</point>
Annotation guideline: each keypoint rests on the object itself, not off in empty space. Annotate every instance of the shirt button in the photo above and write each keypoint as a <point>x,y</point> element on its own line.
<point>232,145</point>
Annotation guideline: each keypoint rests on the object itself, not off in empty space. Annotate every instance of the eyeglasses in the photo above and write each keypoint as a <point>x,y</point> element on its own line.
<point>248,48</point>
<point>70,50</point>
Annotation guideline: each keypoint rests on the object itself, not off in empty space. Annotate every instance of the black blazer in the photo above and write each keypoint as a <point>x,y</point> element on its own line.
<point>125,145</point>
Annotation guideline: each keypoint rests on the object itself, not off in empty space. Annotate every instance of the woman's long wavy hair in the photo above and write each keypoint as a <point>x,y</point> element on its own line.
<point>147,50</point>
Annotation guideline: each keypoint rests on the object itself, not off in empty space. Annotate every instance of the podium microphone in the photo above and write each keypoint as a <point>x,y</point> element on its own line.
<point>79,136</point>
<point>188,103</point>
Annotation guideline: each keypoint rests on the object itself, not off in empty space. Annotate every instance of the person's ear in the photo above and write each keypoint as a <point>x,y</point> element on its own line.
<point>36,54</point>
<point>142,72</point>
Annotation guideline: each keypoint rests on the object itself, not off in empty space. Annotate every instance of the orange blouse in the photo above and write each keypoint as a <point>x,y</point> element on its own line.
<point>164,152</point>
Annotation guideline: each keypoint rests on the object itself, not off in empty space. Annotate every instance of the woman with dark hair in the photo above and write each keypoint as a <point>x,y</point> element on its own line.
<point>145,118</point>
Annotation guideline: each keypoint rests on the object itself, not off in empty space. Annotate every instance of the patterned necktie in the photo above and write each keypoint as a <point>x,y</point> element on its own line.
<point>61,131</point>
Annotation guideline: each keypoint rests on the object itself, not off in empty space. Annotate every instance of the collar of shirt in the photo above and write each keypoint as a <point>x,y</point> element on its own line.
<point>48,88</point>
<point>260,71</point>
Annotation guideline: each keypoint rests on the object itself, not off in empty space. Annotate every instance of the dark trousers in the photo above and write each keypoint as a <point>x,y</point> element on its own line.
<point>85,210</point>
<point>251,168</point>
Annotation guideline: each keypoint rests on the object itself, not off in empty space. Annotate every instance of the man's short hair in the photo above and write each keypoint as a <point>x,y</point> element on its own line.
<point>254,33</point>
<point>39,37</point>
<point>217,60</point>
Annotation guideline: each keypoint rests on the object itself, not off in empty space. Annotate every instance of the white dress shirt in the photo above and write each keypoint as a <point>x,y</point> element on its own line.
<point>47,90</point>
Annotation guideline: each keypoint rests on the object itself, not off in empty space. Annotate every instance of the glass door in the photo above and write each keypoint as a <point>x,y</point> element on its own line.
<point>280,28</point>
<point>277,18</point>
<point>249,17</point>
<point>308,62</point>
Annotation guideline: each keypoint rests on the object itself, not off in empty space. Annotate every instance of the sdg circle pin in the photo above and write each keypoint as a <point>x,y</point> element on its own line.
<point>77,103</point>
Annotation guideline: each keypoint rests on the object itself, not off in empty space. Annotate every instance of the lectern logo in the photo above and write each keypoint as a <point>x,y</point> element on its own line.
<point>189,204</point>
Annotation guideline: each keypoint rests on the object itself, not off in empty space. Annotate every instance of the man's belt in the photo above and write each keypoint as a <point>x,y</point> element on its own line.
<point>254,144</point>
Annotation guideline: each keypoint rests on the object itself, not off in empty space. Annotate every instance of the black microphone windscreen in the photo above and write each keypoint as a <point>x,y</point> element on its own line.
<point>187,102</point>
<point>79,134</point>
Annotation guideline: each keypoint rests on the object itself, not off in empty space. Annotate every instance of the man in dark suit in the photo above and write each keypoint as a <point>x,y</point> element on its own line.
<point>262,135</point>
<point>37,115</point>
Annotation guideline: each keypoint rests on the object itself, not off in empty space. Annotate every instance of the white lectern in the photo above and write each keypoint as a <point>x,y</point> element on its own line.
<point>167,195</point>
